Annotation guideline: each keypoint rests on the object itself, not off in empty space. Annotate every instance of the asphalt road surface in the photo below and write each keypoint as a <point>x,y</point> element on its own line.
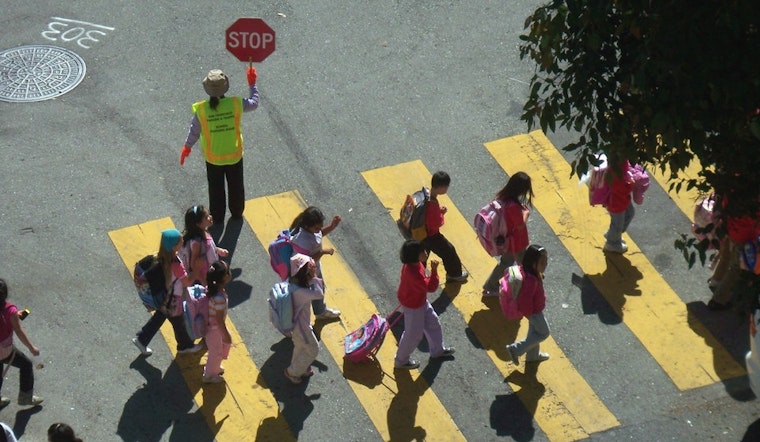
<point>360,102</point>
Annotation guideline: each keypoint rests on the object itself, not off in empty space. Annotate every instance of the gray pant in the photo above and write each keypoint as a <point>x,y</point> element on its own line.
<point>618,224</point>
<point>538,330</point>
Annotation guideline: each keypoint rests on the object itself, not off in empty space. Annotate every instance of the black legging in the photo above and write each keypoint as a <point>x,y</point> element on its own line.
<point>24,364</point>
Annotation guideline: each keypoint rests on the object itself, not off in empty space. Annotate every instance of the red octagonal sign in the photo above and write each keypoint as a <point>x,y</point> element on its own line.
<point>250,39</point>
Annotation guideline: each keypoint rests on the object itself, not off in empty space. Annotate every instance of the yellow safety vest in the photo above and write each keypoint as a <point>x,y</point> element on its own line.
<point>221,140</point>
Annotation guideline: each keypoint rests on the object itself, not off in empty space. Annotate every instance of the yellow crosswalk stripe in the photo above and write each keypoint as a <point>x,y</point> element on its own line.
<point>233,412</point>
<point>684,199</point>
<point>400,407</point>
<point>564,405</point>
<point>632,286</point>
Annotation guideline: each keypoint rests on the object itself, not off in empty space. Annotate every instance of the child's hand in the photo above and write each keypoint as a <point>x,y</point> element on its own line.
<point>328,251</point>
<point>222,252</point>
<point>335,221</point>
<point>444,210</point>
<point>434,265</point>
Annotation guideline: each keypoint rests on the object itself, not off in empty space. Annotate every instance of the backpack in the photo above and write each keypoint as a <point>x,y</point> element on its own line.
<point>509,290</point>
<point>150,282</point>
<point>185,252</point>
<point>598,188</point>
<point>411,220</point>
<point>280,252</point>
<point>491,228</point>
<point>281,308</point>
<point>195,311</point>
<point>749,256</point>
<point>704,218</point>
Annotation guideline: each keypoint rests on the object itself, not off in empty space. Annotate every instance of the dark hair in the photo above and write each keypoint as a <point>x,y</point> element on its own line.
<point>3,290</point>
<point>215,276</point>
<point>310,217</point>
<point>440,178</point>
<point>518,189</point>
<point>531,257</point>
<point>194,216</point>
<point>60,432</point>
<point>410,251</point>
<point>213,102</point>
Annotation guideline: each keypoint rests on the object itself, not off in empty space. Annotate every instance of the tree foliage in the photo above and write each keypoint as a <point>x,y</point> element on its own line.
<point>656,82</point>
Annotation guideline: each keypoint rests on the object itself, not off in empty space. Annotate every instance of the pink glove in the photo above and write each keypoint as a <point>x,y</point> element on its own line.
<point>251,75</point>
<point>184,154</point>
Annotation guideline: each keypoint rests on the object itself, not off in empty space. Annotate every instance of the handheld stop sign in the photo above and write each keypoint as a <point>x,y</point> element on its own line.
<point>250,39</point>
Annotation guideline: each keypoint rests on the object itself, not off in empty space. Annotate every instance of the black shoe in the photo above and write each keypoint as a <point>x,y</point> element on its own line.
<point>460,278</point>
<point>411,365</point>
<point>447,352</point>
<point>717,306</point>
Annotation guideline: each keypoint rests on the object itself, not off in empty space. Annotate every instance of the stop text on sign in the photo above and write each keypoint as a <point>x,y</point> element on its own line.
<point>249,40</point>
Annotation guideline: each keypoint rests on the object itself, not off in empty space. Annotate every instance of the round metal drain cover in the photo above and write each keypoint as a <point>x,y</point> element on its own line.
<point>38,72</point>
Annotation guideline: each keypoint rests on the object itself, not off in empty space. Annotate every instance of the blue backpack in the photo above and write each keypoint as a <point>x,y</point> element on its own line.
<point>280,252</point>
<point>150,282</point>
<point>281,308</point>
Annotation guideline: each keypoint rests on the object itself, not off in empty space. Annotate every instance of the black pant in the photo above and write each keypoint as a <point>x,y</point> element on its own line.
<point>26,376</point>
<point>441,246</point>
<point>217,200</point>
<point>154,324</point>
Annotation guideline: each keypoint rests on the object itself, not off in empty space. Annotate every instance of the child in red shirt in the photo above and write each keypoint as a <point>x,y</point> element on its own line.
<point>435,241</point>
<point>620,208</point>
<point>531,302</point>
<point>419,317</point>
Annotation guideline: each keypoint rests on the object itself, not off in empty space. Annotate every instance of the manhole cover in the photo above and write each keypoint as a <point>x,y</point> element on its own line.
<point>38,72</point>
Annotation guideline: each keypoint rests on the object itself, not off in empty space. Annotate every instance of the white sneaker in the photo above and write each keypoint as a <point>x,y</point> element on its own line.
<point>144,349</point>
<point>329,313</point>
<point>615,248</point>
<point>29,399</point>
<point>540,358</point>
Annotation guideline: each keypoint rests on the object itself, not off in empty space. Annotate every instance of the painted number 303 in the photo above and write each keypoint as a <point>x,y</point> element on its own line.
<point>84,33</point>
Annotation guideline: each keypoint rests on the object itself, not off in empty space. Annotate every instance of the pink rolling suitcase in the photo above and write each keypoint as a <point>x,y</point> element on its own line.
<point>362,344</point>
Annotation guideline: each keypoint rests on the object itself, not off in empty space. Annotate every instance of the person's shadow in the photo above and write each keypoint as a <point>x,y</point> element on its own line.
<point>296,405</point>
<point>162,402</point>
<point>726,339</point>
<point>512,414</point>
<point>490,330</point>
<point>619,279</point>
<point>402,411</point>
<point>22,419</point>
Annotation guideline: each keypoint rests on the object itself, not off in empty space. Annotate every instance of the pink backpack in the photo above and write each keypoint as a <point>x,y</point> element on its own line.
<point>703,217</point>
<point>491,228</point>
<point>195,311</point>
<point>509,291</point>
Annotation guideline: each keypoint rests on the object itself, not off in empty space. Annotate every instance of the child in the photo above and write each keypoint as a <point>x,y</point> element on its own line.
<point>61,432</point>
<point>516,198</point>
<point>419,317</point>
<point>531,302</point>
<point>177,280</point>
<point>435,241</point>
<point>200,249</point>
<point>305,287</point>
<point>9,354</point>
<point>620,208</point>
<point>308,228</point>
<point>218,338</point>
